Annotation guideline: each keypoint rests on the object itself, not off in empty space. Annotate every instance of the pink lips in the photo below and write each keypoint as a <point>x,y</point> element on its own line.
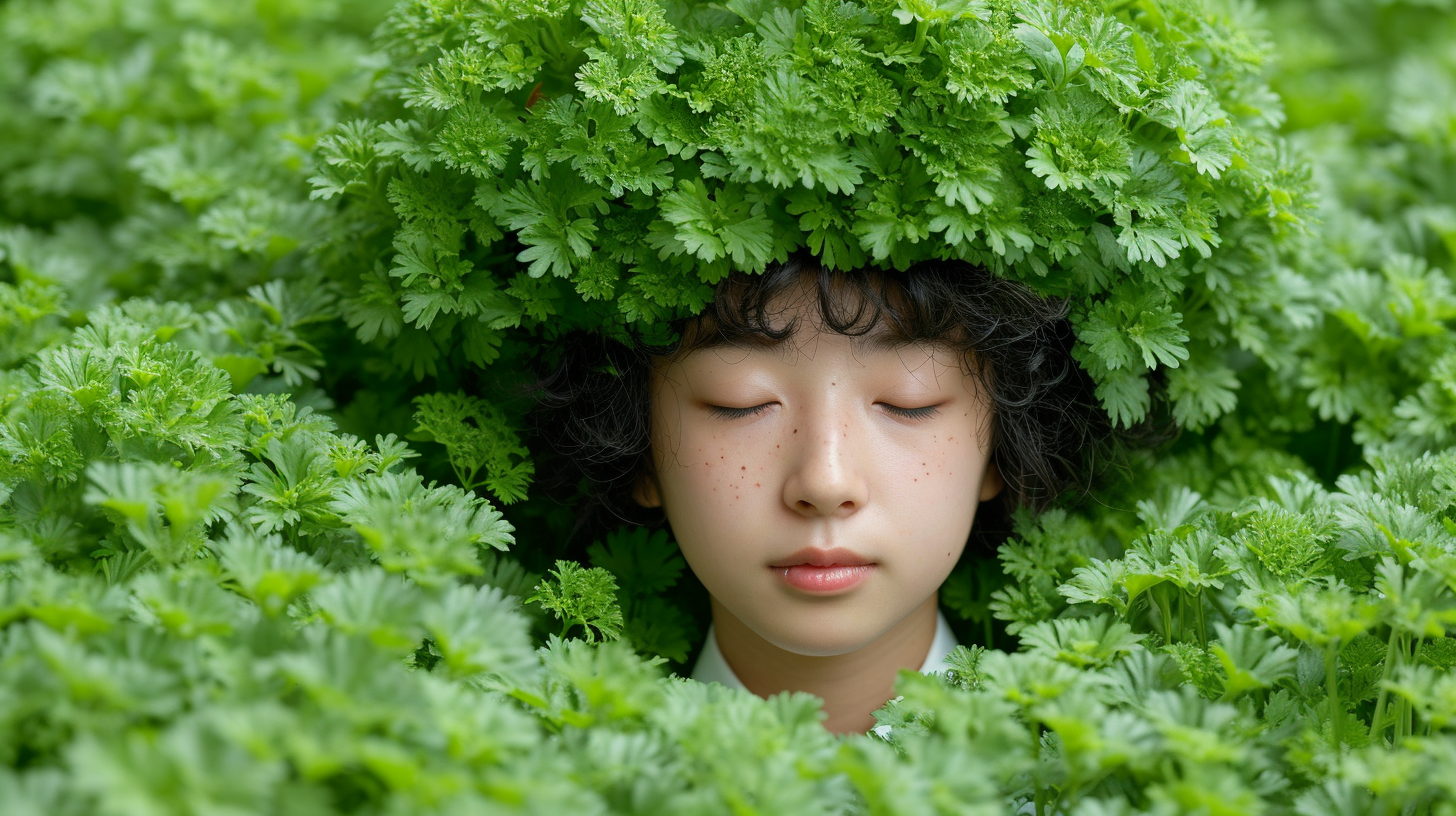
<point>813,569</point>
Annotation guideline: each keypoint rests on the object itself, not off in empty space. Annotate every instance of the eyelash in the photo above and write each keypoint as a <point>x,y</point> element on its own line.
<point>925,412</point>
<point>722,412</point>
<point>737,413</point>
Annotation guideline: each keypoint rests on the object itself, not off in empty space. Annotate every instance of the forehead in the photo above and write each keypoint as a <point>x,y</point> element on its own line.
<point>806,340</point>
<point>812,351</point>
<point>799,318</point>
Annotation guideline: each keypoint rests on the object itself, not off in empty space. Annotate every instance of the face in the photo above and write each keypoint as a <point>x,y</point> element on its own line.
<point>821,490</point>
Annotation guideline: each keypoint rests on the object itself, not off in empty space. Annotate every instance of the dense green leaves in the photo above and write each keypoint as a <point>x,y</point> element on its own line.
<point>634,149</point>
<point>218,597</point>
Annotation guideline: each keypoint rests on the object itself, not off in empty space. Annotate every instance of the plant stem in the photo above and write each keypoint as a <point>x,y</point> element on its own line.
<point>1163,605</point>
<point>1332,689</point>
<point>1202,624</point>
<point>1390,659</point>
<point>1182,610</point>
<point>1402,706</point>
<point>921,28</point>
<point>1036,773</point>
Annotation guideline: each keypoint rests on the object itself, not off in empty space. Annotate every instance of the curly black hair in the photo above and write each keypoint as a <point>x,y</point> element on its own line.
<point>1049,431</point>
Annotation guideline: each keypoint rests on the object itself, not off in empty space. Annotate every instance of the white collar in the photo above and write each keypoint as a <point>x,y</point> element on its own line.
<point>712,668</point>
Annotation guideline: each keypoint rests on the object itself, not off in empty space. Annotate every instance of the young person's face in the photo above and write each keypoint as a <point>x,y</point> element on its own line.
<point>821,490</point>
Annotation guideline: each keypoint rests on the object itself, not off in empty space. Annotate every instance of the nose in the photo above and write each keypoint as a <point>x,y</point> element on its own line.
<point>827,476</point>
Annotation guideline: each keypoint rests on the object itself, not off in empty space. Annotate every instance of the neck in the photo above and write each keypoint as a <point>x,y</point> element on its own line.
<point>852,685</point>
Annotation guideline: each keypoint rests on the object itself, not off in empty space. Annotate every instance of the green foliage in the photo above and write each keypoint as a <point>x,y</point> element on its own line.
<point>515,169</point>
<point>218,597</point>
<point>1256,616</point>
<point>1367,88</point>
<point>583,597</point>
<point>647,565</point>
<point>476,435</point>
<point>155,148</point>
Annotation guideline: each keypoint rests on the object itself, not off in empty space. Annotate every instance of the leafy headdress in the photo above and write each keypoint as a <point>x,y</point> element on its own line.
<point>547,164</point>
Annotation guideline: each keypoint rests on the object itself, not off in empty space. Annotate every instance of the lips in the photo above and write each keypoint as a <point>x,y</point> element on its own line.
<point>820,571</point>
<point>820,557</point>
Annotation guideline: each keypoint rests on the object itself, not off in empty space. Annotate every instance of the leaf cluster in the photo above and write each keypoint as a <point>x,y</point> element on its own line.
<point>155,149</point>
<point>596,165</point>
<point>213,599</point>
<point>1270,655</point>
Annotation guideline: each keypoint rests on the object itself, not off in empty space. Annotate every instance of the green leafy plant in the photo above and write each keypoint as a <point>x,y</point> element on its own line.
<point>649,565</point>
<point>600,164</point>
<point>583,597</point>
<point>216,596</point>
<point>477,438</point>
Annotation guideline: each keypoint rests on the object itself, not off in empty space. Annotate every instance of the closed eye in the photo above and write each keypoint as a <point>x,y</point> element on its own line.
<point>722,412</point>
<point>925,412</point>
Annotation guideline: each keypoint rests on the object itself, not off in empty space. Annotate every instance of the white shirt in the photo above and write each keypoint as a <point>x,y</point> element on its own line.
<point>712,668</point>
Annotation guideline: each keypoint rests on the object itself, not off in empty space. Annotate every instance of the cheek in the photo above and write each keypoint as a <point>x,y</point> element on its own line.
<point>935,489</point>
<point>946,466</point>
<point>708,497</point>
<point>709,487</point>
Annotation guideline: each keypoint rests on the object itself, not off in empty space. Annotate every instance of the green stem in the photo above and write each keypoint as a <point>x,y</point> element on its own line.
<point>1036,772</point>
<point>1200,299</point>
<point>1202,624</point>
<point>1167,612</point>
<point>1414,659</point>
<point>921,28</point>
<point>1376,725</point>
<point>1408,711</point>
<point>1332,688</point>
<point>1402,706</point>
<point>551,41</point>
<point>1397,716</point>
<point>1182,614</point>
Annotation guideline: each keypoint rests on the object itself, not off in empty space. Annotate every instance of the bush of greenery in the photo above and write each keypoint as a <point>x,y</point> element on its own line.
<point>245,248</point>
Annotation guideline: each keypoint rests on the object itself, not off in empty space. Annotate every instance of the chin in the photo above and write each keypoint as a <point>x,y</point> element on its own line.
<point>818,641</point>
